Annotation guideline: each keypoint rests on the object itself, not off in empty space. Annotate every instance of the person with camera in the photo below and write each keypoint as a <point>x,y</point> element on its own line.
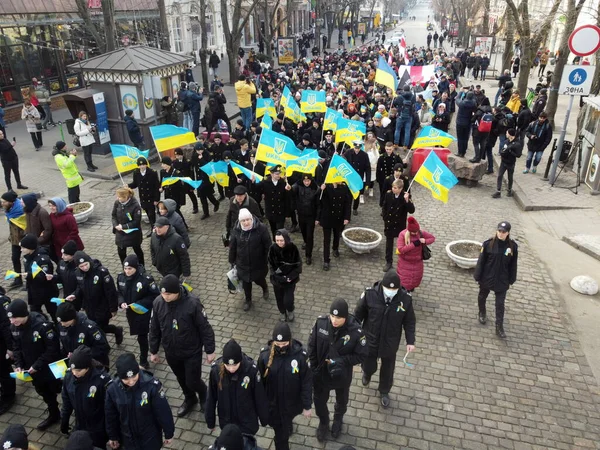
<point>32,119</point>
<point>192,100</point>
<point>216,110</point>
<point>539,133</point>
<point>65,160</point>
<point>85,138</point>
<point>10,162</point>
<point>244,89</point>
<point>336,344</point>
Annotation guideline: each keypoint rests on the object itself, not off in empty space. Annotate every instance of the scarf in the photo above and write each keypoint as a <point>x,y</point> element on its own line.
<point>16,215</point>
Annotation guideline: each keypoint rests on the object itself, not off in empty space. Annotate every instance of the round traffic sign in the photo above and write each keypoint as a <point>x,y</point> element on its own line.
<point>578,76</point>
<point>585,40</point>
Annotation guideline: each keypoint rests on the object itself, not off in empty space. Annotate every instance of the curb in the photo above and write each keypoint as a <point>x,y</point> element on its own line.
<point>581,248</point>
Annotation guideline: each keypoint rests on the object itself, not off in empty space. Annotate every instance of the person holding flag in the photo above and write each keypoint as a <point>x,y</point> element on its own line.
<point>175,191</point>
<point>333,214</point>
<point>145,180</point>
<point>127,223</point>
<point>41,285</point>
<point>359,160</point>
<point>36,344</point>
<point>206,193</point>
<point>17,222</point>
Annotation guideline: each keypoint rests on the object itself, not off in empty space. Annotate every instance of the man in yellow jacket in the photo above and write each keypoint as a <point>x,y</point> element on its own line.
<point>66,163</point>
<point>244,89</point>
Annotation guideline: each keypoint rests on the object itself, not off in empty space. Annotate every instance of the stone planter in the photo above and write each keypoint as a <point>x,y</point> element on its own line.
<point>83,216</point>
<point>461,261</point>
<point>361,247</point>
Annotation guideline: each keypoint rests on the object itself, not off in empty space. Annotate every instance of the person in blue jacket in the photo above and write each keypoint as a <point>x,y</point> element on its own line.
<point>133,129</point>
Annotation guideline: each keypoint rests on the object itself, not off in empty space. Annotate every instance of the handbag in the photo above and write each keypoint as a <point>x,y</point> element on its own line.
<point>426,251</point>
<point>233,282</point>
<point>76,141</point>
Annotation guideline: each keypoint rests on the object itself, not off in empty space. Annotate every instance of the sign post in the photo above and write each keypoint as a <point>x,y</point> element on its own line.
<point>576,80</point>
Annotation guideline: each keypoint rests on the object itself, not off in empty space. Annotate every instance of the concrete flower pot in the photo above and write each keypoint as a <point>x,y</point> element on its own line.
<point>361,247</point>
<point>461,261</point>
<point>82,216</point>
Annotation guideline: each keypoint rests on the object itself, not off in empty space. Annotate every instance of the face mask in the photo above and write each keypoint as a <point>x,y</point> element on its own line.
<point>389,293</point>
<point>282,350</point>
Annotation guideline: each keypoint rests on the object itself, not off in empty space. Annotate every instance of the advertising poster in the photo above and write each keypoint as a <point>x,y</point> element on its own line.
<point>483,44</point>
<point>285,50</point>
<point>362,28</point>
<point>130,100</point>
<point>101,118</point>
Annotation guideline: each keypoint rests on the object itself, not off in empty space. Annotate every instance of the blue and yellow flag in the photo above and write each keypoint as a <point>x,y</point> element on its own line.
<point>313,101</point>
<point>57,300</point>
<point>430,137</point>
<point>267,122</point>
<point>168,137</point>
<point>35,269</point>
<point>385,75</point>
<point>58,368</point>
<point>217,171</point>
<point>293,111</point>
<point>287,94</point>
<point>238,169</point>
<point>307,163</point>
<point>349,130</point>
<point>23,376</point>
<point>265,106</point>
<point>330,121</point>
<point>187,180</point>
<point>436,177</point>
<point>276,148</point>
<point>340,171</point>
<point>10,274</point>
<point>137,308</point>
<point>126,156</point>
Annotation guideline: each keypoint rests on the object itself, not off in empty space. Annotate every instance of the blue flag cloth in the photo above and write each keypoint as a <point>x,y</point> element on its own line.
<point>340,171</point>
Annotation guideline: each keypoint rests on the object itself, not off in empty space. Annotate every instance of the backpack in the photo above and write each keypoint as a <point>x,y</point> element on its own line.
<point>181,106</point>
<point>485,124</point>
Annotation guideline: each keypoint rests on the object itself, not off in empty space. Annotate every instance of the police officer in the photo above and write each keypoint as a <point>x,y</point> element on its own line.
<point>7,383</point>
<point>384,310</point>
<point>179,321</point>
<point>84,392</point>
<point>41,286</point>
<point>168,251</point>
<point>184,167</point>
<point>66,272</point>
<point>15,437</point>
<point>175,191</point>
<point>36,345</point>
<point>200,158</point>
<point>496,271</point>
<point>336,344</point>
<point>306,194</point>
<point>97,292</point>
<point>137,287</point>
<point>231,438</point>
<point>235,389</point>
<point>145,180</point>
<point>359,160</point>
<point>275,194</point>
<point>283,364</point>
<point>333,214</point>
<point>136,410</point>
<point>75,330</point>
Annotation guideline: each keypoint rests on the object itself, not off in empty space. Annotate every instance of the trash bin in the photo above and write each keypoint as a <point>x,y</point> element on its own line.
<point>70,123</point>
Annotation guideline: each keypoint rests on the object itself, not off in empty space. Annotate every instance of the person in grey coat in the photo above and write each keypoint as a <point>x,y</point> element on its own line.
<point>168,208</point>
<point>127,224</point>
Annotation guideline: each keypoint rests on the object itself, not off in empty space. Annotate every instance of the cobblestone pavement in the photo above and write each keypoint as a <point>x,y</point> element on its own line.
<point>466,390</point>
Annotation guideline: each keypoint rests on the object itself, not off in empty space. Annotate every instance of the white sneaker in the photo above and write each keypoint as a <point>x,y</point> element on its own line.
<point>371,193</point>
<point>362,199</point>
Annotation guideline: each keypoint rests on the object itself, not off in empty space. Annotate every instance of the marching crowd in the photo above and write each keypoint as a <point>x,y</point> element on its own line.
<point>130,409</point>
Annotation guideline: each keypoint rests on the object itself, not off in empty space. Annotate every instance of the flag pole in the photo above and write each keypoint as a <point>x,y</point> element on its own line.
<point>327,173</point>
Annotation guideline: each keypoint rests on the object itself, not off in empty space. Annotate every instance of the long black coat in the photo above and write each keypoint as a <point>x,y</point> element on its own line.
<point>285,263</point>
<point>140,289</point>
<point>383,323</point>
<point>276,199</point>
<point>147,186</point>
<point>385,166</point>
<point>169,254</point>
<point>496,268</point>
<point>66,272</point>
<point>96,288</point>
<point>129,216</point>
<point>307,199</point>
<point>39,289</point>
<point>395,210</point>
<point>360,162</point>
<point>249,251</point>
<point>334,207</point>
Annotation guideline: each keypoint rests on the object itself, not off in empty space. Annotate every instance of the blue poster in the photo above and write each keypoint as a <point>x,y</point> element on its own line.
<point>101,118</point>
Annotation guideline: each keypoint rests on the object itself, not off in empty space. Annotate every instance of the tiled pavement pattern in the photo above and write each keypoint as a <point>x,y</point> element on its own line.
<point>467,389</point>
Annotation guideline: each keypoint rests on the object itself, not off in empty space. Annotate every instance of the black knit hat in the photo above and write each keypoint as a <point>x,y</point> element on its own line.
<point>29,241</point>
<point>17,308</point>
<point>70,248</point>
<point>66,312</point>
<point>15,436</point>
<point>80,440</point>
<point>60,145</point>
<point>131,261</point>
<point>127,366</point>
<point>391,280</point>
<point>166,160</point>
<point>282,332</point>
<point>232,353</point>
<point>339,308</point>
<point>10,196</point>
<point>81,358</point>
<point>81,257</point>
<point>169,284</point>
<point>230,438</point>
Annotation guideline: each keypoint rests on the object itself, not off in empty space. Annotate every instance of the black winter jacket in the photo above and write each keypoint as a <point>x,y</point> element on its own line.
<point>360,162</point>
<point>67,276</point>
<point>169,254</point>
<point>39,289</point>
<point>307,199</point>
<point>249,250</point>
<point>466,108</point>
<point>147,186</point>
<point>276,199</point>
<point>129,216</point>
<point>97,291</point>
<point>181,326</point>
<point>395,211</point>
<point>138,416</point>
<point>285,263</point>
<point>141,289</point>
<point>539,134</point>
<point>385,166</point>
<point>383,323</point>
<point>241,400</point>
<point>511,151</point>
<point>288,382</point>
<point>84,332</point>
<point>334,207</point>
<point>496,268</point>
<point>234,211</point>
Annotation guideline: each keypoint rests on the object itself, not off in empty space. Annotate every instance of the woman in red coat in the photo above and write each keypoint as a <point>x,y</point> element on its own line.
<point>410,260</point>
<point>65,226</point>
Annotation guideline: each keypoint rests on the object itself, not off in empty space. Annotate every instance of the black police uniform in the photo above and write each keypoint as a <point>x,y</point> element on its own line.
<point>39,289</point>
<point>84,332</point>
<point>394,212</point>
<point>276,203</point>
<point>307,199</point>
<point>382,321</point>
<point>169,254</point>
<point>138,416</point>
<point>66,273</point>
<point>36,345</point>
<point>7,383</point>
<point>85,396</point>
<point>288,385</point>
<point>347,347</point>
<point>205,191</point>
<point>241,400</point>
<point>333,209</point>
<point>140,289</point>
<point>183,328</point>
<point>185,168</point>
<point>97,291</point>
<point>360,162</point>
<point>148,189</point>
<point>385,168</point>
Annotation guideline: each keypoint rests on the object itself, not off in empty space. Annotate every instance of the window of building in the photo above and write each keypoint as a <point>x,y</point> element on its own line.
<point>177,39</point>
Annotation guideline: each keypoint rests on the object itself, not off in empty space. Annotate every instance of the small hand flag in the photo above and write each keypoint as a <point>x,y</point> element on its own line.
<point>57,300</point>
<point>23,376</point>
<point>10,274</point>
<point>58,368</point>
<point>138,309</point>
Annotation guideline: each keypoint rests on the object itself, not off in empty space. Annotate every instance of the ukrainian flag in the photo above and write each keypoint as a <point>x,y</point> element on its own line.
<point>307,163</point>
<point>10,274</point>
<point>126,156</point>
<point>436,177</point>
<point>172,180</point>
<point>57,300</point>
<point>293,111</point>
<point>58,368</point>
<point>265,106</point>
<point>35,269</point>
<point>138,309</point>
<point>430,137</point>
<point>217,171</point>
<point>385,75</point>
<point>168,137</point>
<point>331,117</point>
<point>349,130</point>
<point>241,170</point>
<point>313,101</point>
<point>187,286</point>
<point>276,148</point>
<point>20,221</point>
<point>287,94</point>
<point>266,122</point>
<point>23,376</point>
<point>340,171</point>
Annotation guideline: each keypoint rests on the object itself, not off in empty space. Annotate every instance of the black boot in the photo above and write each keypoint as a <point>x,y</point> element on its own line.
<point>482,317</point>
<point>6,403</point>
<point>119,336</point>
<point>500,331</point>
<point>336,426</point>
<point>322,431</point>
<point>53,417</point>
<point>186,406</point>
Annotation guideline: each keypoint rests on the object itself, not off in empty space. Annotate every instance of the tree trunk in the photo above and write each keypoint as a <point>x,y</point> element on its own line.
<point>510,39</point>
<point>203,45</point>
<point>164,40</point>
<point>486,18</point>
<point>572,15</point>
<point>98,35</point>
